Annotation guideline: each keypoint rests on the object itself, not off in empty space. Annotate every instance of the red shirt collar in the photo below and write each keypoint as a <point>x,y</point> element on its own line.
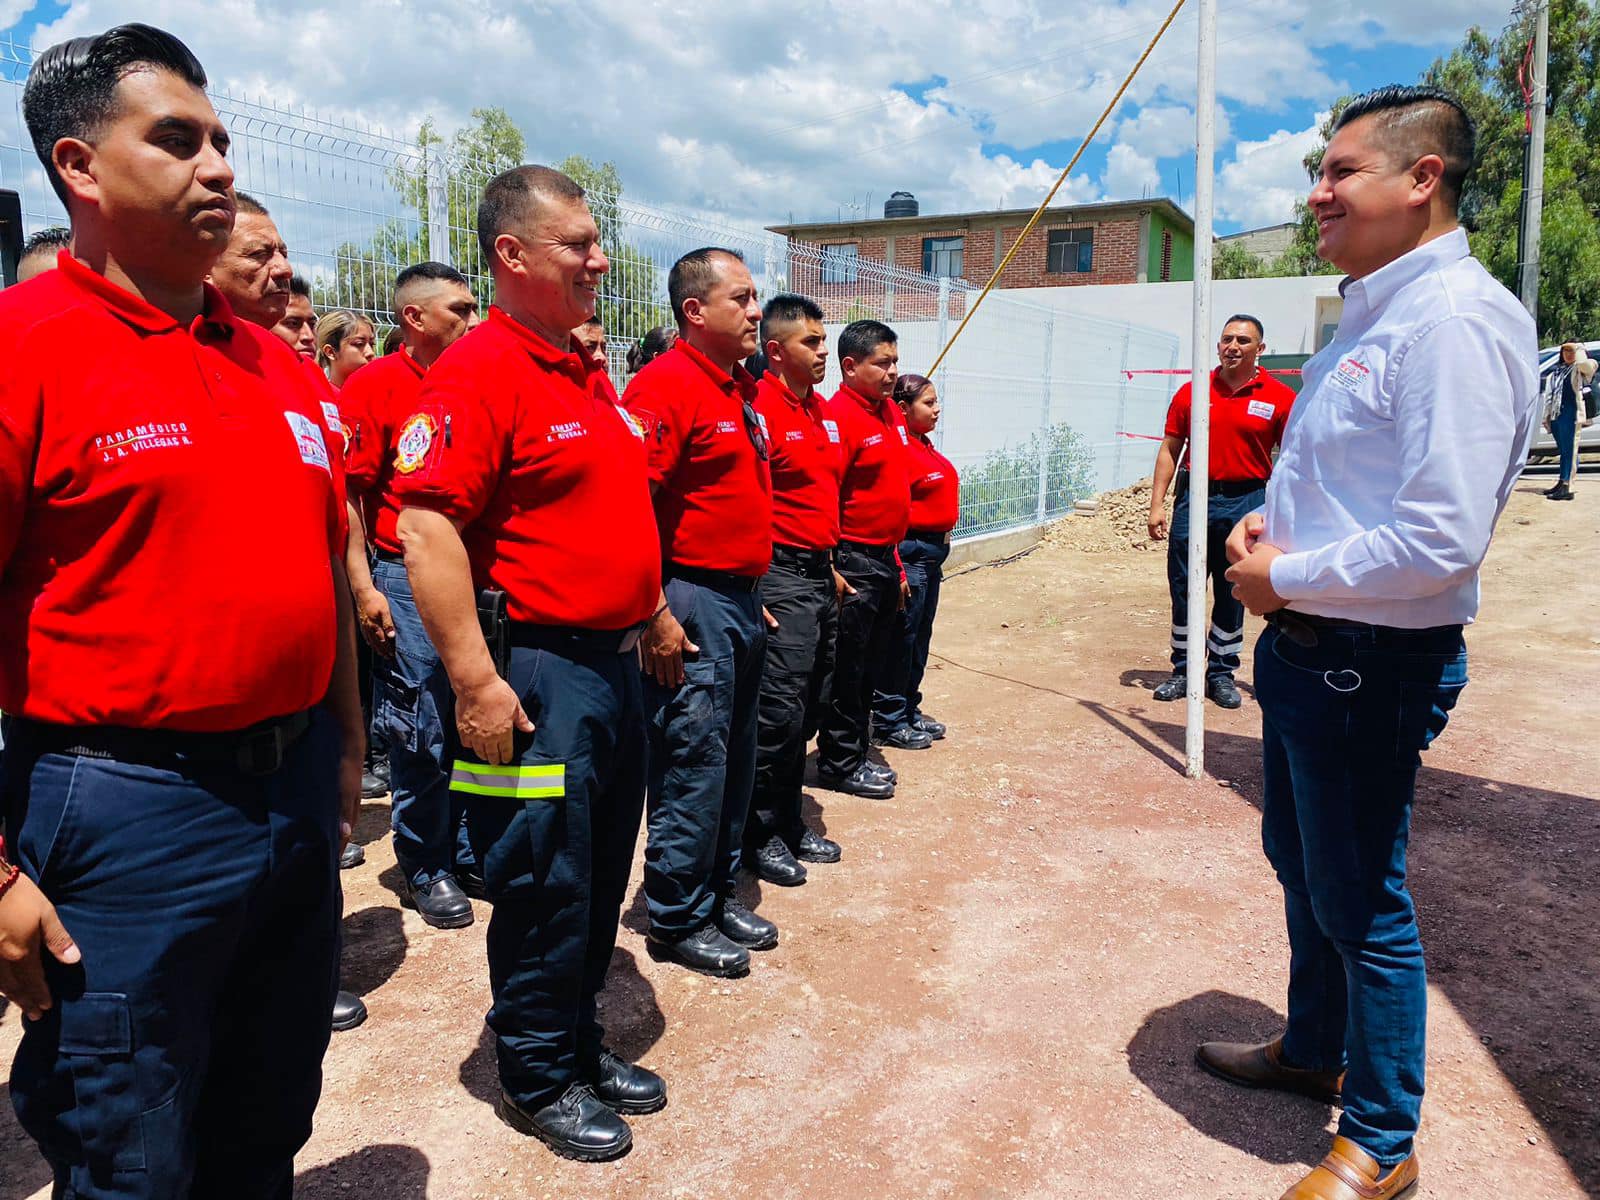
<point>417,368</point>
<point>216,317</point>
<point>875,407</point>
<point>787,392</point>
<point>1222,389</point>
<point>738,379</point>
<point>542,351</point>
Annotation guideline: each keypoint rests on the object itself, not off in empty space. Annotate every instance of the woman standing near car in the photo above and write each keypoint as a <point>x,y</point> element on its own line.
<point>1564,411</point>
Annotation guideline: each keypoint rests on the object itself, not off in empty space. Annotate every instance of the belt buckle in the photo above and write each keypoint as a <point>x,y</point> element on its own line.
<point>261,752</point>
<point>1296,629</point>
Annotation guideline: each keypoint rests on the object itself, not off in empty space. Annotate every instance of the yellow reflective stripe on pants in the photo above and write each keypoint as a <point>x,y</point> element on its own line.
<point>544,781</point>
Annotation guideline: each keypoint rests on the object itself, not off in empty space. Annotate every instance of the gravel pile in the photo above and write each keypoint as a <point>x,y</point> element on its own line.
<point>1118,523</point>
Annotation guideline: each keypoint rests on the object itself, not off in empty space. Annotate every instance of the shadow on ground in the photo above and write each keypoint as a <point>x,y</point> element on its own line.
<point>390,1171</point>
<point>23,1170</point>
<point>374,948</point>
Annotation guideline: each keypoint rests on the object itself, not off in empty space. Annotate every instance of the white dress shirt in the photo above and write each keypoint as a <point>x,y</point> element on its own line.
<point>1401,451</point>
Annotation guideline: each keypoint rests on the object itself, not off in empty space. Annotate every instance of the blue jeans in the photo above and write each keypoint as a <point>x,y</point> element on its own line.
<point>411,701</point>
<point>702,758</point>
<point>897,691</point>
<point>556,864</point>
<point>1343,725</point>
<point>183,1055</point>
<point>1565,430</point>
<point>1226,636</point>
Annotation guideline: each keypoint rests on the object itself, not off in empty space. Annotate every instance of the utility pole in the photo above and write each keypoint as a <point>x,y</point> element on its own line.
<point>1533,163</point>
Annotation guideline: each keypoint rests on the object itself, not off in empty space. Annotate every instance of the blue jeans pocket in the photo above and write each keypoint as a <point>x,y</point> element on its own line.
<point>394,708</point>
<point>97,1042</point>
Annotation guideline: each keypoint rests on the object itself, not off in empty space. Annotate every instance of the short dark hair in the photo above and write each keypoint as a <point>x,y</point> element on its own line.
<point>692,275</point>
<point>786,308</point>
<point>594,320</point>
<point>860,338</point>
<point>1414,120</point>
<point>656,342</point>
<point>46,241</point>
<point>425,272</point>
<point>908,387</point>
<point>511,195</point>
<point>247,205</point>
<point>72,87</point>
<point>1261,332</point>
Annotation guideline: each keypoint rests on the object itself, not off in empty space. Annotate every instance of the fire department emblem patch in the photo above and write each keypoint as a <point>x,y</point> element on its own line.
<point>416,439</point>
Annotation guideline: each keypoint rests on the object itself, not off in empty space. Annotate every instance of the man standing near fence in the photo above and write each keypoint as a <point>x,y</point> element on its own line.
<point>1249,409</point>
<point>1410,434</point>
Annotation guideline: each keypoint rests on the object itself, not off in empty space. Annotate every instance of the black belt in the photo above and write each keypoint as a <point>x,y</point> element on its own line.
<point>812,564</point>
<point>259,749</point>
<point>1222,487</point>
<point>571,639</point>
<point>937,536</point>
<point>885,553</point>
<point>388,556</point>
<point>1302,628</point>
<point>723,581</point>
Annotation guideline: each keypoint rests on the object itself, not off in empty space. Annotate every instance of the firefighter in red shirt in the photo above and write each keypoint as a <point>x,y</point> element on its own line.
<point>433,308</point>
<point>201,744</point>
<point>1249,410</point>
<point>874,513</point>
<point>935,509</point>
<point>523,496</point>
<point>705,647</point>
<point>800,590</point>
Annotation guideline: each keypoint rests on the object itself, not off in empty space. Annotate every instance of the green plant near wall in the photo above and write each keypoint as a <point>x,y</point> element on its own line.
<point>1002,492</point>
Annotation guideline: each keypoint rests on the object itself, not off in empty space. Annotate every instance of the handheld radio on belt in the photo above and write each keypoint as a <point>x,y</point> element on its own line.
<point>496,627</point>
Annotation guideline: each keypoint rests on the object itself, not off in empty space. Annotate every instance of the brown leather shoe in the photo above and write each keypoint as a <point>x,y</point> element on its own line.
<point>1350,1173</point>
<point>1262,1067</point>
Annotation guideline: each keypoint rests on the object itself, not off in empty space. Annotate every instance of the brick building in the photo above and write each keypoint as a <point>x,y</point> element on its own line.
<point>1143,241</point>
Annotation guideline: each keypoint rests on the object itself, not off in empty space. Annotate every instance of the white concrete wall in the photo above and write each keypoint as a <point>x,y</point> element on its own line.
<point>1287,307</point>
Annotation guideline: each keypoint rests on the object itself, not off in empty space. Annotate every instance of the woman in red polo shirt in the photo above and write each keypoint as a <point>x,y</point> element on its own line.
<point>935,508</point>
<point>345,344</point>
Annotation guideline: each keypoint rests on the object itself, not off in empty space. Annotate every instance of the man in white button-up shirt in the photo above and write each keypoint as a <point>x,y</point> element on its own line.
<point>1399,456</point>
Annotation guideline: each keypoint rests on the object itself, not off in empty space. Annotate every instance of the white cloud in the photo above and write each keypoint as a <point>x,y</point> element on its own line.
<point>1130,175</point>
<point>1260,184</point>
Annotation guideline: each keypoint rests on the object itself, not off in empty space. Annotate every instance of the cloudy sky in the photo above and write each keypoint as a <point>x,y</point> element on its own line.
<point>770,111</point>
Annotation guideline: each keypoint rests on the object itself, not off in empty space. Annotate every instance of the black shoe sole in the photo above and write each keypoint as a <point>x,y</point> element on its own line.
<point>460,922</point>
<point>839,785</point>
<point>665,954</point>
<point>347,1026</point>
<point>776,880</point>
<point>1330,1098</point>
<point>763,944</point>
<point>634,1108</point>
<point>523,1125</point>
<point>825,859</point>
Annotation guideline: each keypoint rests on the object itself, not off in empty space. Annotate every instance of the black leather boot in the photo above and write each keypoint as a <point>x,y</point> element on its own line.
<point>705,950</point>
<point>576,1126</point>
<point>442,903</point>
<point>773,862</point>
<point>626,1087</point>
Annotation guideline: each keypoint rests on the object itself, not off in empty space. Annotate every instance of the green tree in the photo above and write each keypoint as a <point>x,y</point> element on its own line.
<point>633,297</point>
<point>1232,261</point>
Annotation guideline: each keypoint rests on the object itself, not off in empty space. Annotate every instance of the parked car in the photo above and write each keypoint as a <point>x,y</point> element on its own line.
<point>1544,441</point>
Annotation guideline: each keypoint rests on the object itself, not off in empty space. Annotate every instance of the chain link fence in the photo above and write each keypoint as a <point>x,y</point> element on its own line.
<point>1038,412</point>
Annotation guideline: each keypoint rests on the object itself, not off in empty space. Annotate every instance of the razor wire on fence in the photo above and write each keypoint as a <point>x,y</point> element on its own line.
<point>1037,409</point>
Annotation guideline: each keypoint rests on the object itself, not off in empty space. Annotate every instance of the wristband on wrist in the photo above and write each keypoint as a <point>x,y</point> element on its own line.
<point>9,873</point>
<point>658,612</point>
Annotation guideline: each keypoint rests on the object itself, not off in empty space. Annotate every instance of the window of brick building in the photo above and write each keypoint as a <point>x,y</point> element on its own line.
<point>1070,252</point>
<point>839,263</point>
<point>1166,255</point>
<point>943,255</point>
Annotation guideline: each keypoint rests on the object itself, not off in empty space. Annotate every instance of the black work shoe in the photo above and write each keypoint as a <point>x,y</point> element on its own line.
<point>814,848</point>
<point>705,950</point>
<point>881,770</point>
<point>626,1087</point>
<point>1222,691</point>
<point>373,787</point>
<point>1562,491</point>
<point>904,738</point>
<point>471,882</point>
<point>353,856</point>
<point>934,729</point>
<point>576,1126</point>
<point>860,782</point>
<point>744,927</point>
<point>380,768</point>
<point>773,862</point>
<point>441,903</point>
<point>348,1011</point>
<point>1172,688</point>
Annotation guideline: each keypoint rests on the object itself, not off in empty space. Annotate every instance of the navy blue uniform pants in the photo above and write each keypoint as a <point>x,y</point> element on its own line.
<point>554,833</point>
<point>897,697</point>
<point>866,628</point>
<point>411,698</point>
<point>799,660</point>
<point>183,1055</point>
<point>1226,636</point>
<point>1343,726</point>
<point>702,757</point>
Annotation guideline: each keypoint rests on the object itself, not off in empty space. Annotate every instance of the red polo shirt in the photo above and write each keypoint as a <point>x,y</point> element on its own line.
<point>935,488</point>
<point>713,491</point>
<point>1245,426</point>
<point>524,445</point>
<point>806,466</point>
<point>375,400</point>
<point>875,495</point>
<point>168,511</point>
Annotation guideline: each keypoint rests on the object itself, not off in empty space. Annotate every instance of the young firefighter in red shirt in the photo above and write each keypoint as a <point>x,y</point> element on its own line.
<point>1249,409</point>
<point>935,509</point>
<point>433,308</point>
<point>522,489</point>
<point>874,513</point>
<point>183,759</point>
<point>705,646</point>
<point>800,590</point>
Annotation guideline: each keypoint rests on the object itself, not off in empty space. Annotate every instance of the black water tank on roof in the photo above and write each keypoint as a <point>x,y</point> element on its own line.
<point>900,204</point>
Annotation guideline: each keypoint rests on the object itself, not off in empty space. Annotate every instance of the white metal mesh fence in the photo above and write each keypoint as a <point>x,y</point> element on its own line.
<point>1037,410</point>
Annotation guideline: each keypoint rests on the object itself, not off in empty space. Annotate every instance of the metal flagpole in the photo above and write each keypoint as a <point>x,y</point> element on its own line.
<point>1200,384</point>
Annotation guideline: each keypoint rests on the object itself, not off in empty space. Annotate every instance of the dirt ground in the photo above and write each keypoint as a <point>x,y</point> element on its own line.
<point>997,993</point>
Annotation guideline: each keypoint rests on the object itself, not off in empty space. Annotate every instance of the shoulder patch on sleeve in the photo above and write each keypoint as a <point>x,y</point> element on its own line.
<point>414,443</point>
